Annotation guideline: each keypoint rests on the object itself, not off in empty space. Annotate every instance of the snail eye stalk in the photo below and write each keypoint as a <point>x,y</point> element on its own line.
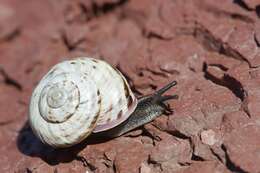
<point>166,88</point>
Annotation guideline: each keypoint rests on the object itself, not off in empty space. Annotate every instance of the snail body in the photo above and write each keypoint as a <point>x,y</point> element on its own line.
<point>85,95</point>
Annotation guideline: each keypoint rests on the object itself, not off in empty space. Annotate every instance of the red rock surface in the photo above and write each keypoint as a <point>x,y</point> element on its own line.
<point>210,47</point>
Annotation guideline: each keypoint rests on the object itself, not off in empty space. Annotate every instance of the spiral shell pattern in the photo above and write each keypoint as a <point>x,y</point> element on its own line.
<point>77,97</point>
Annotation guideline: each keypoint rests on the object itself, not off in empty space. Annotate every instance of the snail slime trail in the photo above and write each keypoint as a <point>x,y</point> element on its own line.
<point>85,95</point>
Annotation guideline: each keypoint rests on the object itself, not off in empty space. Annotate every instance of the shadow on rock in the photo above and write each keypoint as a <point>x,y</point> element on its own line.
<point>30,145</point>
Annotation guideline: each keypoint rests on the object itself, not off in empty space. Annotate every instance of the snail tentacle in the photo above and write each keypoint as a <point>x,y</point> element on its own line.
<point>166,88</point>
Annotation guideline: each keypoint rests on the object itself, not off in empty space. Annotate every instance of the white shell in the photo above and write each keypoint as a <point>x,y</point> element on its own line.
<point>77,97</point>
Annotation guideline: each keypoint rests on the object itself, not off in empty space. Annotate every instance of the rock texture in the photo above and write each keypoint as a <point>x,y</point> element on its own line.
<point>212,48</point>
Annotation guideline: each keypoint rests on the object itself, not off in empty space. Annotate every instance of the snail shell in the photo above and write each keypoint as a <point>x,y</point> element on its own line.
<point>77,97</point>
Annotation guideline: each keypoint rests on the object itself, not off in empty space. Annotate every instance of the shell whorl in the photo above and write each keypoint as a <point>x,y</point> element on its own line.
<point>60,98</point>
<point>77,97</point>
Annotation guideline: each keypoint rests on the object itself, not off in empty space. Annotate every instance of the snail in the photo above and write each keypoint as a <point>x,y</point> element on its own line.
<point>86,95</point>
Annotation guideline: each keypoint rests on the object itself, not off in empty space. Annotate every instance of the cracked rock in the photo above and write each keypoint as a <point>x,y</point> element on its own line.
<point>242,147</point>
<point>209,137</point>
<point>211,49</point>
